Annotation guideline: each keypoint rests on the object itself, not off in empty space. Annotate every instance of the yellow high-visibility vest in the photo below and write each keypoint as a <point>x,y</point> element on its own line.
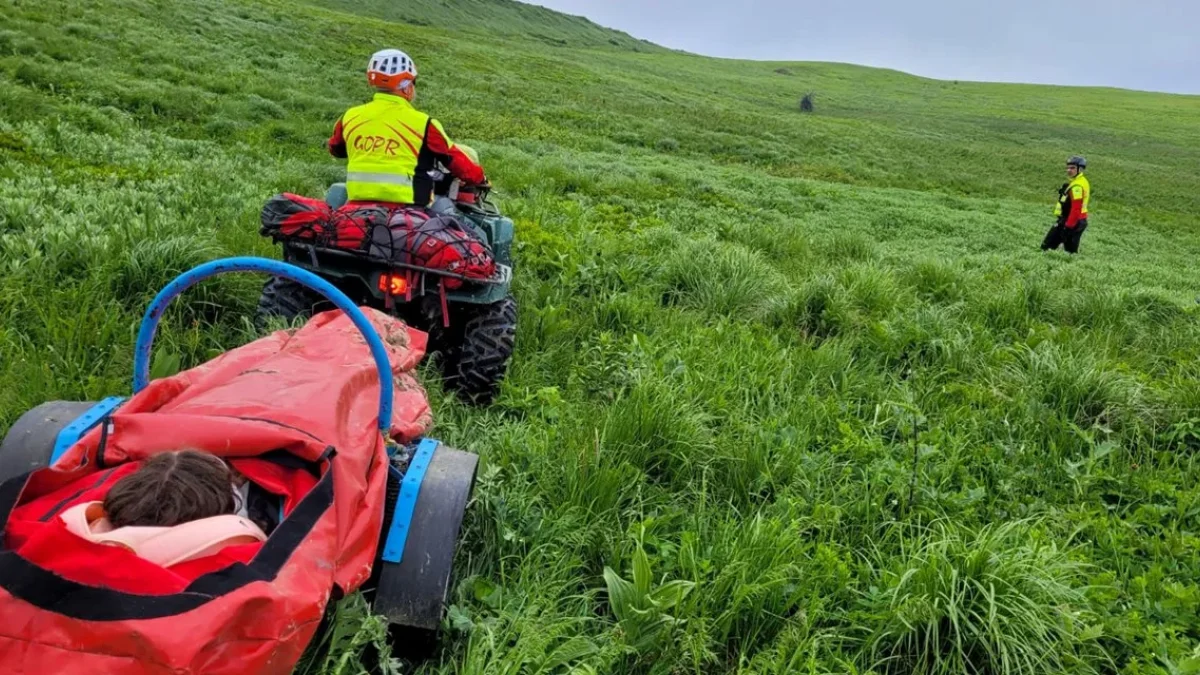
<point>383,143</point>
<point>1078,190</point>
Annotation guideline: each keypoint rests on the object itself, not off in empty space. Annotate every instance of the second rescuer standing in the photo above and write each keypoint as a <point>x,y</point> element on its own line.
<point>391,146</point>
<point>1071,209</point>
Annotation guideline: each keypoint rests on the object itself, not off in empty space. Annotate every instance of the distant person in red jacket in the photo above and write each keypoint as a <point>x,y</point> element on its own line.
<point>394,150</point>
<point>1071,209</point>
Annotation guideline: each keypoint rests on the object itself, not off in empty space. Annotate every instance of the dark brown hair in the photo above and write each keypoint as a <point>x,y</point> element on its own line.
<point>171,488</point>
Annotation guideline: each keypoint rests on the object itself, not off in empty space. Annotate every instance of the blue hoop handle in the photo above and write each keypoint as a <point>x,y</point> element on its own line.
<point>145,338</point>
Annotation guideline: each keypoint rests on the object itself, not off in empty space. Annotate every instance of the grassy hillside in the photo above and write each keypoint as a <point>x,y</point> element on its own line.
<point>793,393</point>
<point>485,20</point>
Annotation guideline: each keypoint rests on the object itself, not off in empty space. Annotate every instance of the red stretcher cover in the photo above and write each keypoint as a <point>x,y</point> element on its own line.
<point>295,412</point>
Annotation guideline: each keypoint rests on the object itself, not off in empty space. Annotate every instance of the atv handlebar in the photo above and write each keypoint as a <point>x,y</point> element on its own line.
<point>149,325</point>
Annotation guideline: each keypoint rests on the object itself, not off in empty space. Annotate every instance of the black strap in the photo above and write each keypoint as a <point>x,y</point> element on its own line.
<point>289,461</point>
<point>104,424</point>
<point>67,500</point>
<point>10,492</point>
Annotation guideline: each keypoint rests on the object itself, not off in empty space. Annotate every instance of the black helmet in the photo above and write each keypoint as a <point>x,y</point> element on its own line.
<point>1078,161</point>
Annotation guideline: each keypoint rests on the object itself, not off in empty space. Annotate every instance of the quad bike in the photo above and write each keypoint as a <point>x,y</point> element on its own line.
<point>471,329</point>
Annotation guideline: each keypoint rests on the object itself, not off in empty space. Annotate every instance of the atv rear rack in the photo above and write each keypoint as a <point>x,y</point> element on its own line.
<point>503,274</point>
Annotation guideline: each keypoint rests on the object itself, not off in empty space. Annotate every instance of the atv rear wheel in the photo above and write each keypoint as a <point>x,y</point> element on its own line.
<point>287,299</point>
<point>476,366</point>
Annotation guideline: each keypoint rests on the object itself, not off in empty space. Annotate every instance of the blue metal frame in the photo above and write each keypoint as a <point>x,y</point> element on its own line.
<point>145,338</point>
<point>406,503</point>
<point>71,433</point>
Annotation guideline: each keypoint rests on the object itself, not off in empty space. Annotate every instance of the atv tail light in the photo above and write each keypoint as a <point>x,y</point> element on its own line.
<point>393,284</point>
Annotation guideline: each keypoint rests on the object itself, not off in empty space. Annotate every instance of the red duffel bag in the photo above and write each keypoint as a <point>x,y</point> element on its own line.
<point>397,233</point>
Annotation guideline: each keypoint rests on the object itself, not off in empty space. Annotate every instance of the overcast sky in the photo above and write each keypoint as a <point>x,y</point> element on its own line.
<point>1137,44</point>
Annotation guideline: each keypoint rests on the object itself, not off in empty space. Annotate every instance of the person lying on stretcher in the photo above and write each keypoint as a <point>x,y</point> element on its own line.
<point>178,506</point>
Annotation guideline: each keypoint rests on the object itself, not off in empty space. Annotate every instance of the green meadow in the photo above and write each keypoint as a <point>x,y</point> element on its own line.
<point>793,393</point>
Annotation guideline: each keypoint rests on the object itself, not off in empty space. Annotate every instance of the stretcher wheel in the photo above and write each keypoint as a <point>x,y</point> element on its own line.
<point>412,593</point>
<point>30,442</point>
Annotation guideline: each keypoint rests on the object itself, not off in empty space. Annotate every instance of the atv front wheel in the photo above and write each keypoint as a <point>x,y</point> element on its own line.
<point>476,366</point>
<point>287,299</point>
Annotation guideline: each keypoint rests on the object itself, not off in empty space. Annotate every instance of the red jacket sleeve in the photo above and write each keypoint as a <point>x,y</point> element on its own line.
<point>460,165</point>
<point>1076,214</point>
<point>337,142</point>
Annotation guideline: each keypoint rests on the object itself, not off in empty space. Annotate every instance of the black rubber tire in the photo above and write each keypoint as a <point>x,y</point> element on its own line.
<point>30,441</point>
<point>413,593</point>
<point>476,366</point>
<point>287,299</point>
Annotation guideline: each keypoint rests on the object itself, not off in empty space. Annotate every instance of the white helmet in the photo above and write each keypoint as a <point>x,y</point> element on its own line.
<point>391,69</point>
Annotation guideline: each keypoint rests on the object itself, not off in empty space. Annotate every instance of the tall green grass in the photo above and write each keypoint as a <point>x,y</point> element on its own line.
<point>792,393</point>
